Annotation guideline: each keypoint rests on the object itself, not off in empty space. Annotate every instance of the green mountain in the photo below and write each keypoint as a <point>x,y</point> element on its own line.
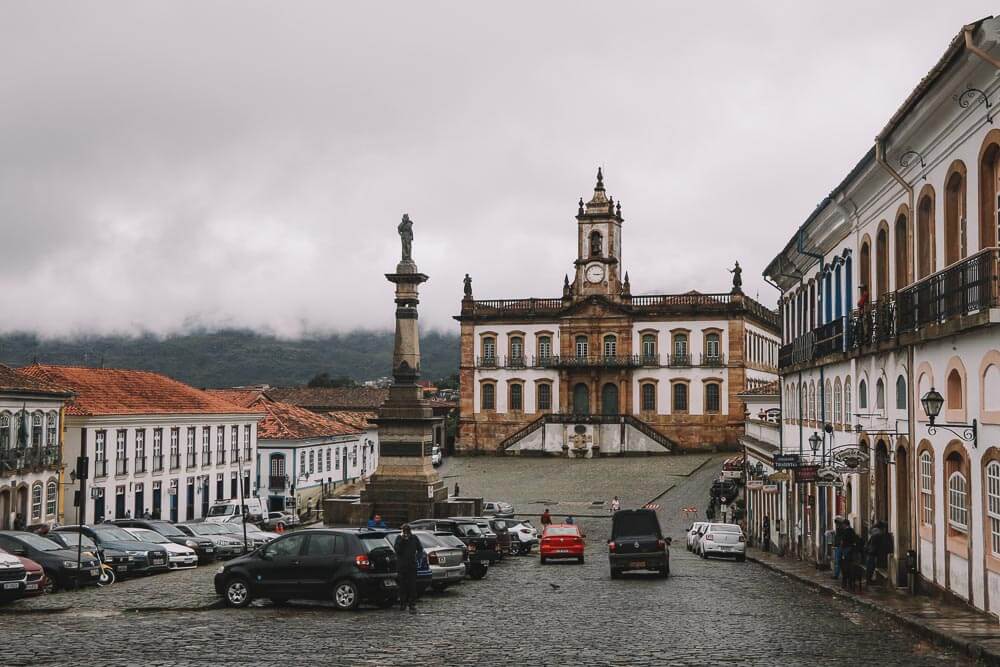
<point>236,357</point>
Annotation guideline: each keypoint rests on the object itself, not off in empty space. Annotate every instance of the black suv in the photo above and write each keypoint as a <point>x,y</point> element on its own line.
<point>59,563</point>
<point>637,543</point>
<point>202,546</point>
<point>345,565</point>
<point>482,549</point>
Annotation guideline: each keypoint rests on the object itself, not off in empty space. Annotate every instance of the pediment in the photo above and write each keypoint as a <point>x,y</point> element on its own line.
<point>595,306</point>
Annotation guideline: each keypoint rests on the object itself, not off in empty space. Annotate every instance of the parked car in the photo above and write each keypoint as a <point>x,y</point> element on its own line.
<point>60,564</point>
<point>446,558</point>
<point>114,562</point>
<point>561,540</point>
<point>724,539</point>
<point>424,574</point>
<point>497,508</point>
<point>35,584</point>
<point>179,557</point>
<point>523,536</point>
<point>204,547</point>
<point>495,530</point>
<point>436,457</point>
<point>284,519</point>
<point>481,551</point>
<point>637,543</point>
<point>693,534</point>
<point>13,578</point>
<point>147,558</point>
<point>255,536</point>
<point>346,565</point>
<point>226,546</point>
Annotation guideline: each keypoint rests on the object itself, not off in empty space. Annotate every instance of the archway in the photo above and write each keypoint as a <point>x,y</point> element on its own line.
<point>581,399</point>
<point>5,509</point>
<point>21,503</point>
<point>881,468</point>
<point>609,399</point>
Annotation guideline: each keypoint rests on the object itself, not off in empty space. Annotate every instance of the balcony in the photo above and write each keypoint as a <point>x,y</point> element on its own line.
<point>679,361</point>
<point>649,360</point>
<point>514,361</point>
<point>277,482</point>
<point>140,464</point>
<point>100,468</point>
<point>121,466</point>
<point>713,360</point>
<point>158,463</point>
<point>12,460</point>
<point>206,457</point>
<point>175,461</point>
<point>487,362</point>
<point>192,460</point>
<point>602,361</point>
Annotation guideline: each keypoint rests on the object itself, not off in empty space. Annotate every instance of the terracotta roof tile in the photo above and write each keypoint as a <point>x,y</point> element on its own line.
<point>360,420</point>
<point>15,381</point>
<point>283,421</point>
<point>115,391</point>
<point>327,399</point>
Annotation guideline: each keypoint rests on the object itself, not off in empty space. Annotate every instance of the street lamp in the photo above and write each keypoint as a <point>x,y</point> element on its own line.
<point>814,441</point>
<point>933,401</point>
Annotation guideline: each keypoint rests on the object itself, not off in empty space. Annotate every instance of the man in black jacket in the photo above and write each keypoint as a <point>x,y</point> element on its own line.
<point>408,552</point>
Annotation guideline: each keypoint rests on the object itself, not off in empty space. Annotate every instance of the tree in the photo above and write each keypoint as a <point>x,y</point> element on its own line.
<point>324,380</point>
<point>448,382</point>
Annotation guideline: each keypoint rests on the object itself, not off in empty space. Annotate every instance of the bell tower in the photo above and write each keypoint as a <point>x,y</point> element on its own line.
<point>599,243</point>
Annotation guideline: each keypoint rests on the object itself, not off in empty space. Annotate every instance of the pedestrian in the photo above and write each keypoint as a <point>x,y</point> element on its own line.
<point>569,520</point>
<point>19,522</point>
<point>408,551</point>
<point>766,529</point>
<point>147,514</point>
<point>128,514</point>
<point>840,529</point>
<point>546,519</point>
<point>456,490</point>
<point>615,504</point>
<point>873,549</point>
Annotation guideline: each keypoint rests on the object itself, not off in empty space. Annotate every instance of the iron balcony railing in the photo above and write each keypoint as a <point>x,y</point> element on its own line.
<point>713,360</point>
<point>649,360</point>
<point>140,464</point>
<point>121,466</point>
<point>14,459</point>
<point>277,482</point>
<point>679,360</point>
<point>514,361</point>
<point>101,468</point>
<point>487,362</point>
<point>601,361</point>
<point>175,461</point>
<point>158,463</point>
<point>206,457</point>
<point>192,460</point>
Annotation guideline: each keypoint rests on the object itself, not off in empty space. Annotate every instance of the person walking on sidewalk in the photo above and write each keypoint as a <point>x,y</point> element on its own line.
<point>546,519</point>
<point>766,529</point>
<point>840,530</point>
<point>874,549</point>
<point>408,551</point>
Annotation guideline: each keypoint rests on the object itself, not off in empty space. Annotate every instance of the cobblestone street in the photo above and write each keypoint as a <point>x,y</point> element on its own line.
<point>707,612</point>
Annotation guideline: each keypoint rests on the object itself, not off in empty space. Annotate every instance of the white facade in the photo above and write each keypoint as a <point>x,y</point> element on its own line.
<point>29,481</point>
<point>174,466</point>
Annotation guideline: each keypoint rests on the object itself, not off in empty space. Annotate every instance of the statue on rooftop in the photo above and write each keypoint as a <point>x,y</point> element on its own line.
<point>737,277</point>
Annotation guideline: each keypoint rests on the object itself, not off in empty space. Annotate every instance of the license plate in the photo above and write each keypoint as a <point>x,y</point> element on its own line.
<point>389,583</point>
<point>562,551</point>
<point>122,568</point>
<point>11,586</point>
<point>637,563</point>
<point>93,572</point>
<point>209,550</point>
<point>31,587</point>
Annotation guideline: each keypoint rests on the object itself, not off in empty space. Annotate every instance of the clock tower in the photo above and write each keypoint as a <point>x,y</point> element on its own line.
<point>599,243</point>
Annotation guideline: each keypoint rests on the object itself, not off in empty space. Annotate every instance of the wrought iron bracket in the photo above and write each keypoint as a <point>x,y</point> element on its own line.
<point>965,432</point>
<point>965,99</point>
<point>906,159</point>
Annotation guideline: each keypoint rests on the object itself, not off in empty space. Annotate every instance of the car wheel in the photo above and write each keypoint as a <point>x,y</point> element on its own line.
<point>238,592</point>
<point>740,559</point>
<point>580,559</point>
<point>616,574</point>
<point>50,584</point>
<point>345,595</point>
<point>542,560</point>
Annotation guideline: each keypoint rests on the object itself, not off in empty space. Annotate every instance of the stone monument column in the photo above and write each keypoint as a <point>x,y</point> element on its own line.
<point>405,486</point>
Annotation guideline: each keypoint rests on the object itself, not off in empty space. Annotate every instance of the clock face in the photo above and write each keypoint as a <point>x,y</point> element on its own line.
<point>595,273</point>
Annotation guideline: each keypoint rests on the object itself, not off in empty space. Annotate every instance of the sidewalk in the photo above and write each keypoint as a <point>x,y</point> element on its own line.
<point>971,631</point>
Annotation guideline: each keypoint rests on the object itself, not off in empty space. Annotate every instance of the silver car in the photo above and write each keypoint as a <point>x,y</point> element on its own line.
<point>723,539</point>
<point>446,560</point>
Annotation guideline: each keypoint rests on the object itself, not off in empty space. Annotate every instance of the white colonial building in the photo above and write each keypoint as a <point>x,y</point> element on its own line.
<point>890,289</point>
<point>31,462</point>
<point>152,444</point>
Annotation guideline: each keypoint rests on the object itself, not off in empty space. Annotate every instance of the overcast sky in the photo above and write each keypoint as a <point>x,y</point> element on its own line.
<point>173,164</point>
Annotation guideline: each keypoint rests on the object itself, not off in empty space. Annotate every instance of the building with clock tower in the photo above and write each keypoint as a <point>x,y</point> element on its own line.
<point>599,371</point>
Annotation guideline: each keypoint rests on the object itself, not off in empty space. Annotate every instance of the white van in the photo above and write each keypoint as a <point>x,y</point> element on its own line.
<point>252,508</point>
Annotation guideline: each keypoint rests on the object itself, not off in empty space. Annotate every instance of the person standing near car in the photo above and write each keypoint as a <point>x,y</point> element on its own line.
<point>615,504</point>
<point>408,550</point>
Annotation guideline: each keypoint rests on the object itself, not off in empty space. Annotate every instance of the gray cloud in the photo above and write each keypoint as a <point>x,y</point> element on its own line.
<point>235,163</point>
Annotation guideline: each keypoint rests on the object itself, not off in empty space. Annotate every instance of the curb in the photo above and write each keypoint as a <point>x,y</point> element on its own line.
<point>12,610</point>
<point>971,648</point>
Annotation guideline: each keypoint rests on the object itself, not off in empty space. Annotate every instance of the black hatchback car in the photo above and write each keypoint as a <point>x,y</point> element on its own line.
<point>637,543</point>
<point>345,565</point>
<point>60,564</point>
<point>204,547</point>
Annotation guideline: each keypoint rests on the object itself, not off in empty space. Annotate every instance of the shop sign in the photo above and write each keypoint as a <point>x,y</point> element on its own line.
<point>755,484</point>
<point>770,488</point>
<point>786,461</point>
<point>806,474</point>
<point>782,476</point>
<point>731,474</point>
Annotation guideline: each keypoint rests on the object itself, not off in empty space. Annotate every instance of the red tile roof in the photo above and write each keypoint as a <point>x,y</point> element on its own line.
<point>115,391</point>
<point>360,420</point>
<point>14,381</point>
<point>283,421</point>
<point>326,399</point>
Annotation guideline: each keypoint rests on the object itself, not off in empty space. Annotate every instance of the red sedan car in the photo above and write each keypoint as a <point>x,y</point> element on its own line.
<point>36,576</point>
<point>561,540</point>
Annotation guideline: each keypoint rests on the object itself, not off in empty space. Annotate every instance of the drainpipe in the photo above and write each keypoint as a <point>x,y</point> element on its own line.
<point>970,45</point>
<point>880,158</point>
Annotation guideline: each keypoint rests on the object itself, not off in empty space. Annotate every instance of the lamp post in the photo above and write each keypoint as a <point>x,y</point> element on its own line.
<point>814,442</point>
<point>932,403</point>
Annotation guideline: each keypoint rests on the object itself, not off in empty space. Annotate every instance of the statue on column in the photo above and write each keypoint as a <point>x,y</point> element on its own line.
<point>405,230</point>
<point>468,286</point>
<point>737,278</point>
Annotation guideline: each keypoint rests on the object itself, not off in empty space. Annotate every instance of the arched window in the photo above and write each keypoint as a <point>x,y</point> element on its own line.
<point>545,347</point>
<point>51,500</point>
<point>866,265</point>
<point>991,388</point>
<point>543,397</point>
<point>958,503</point>
<point>901,393</point>
<point>848,413</point>
<point>879,394</point>
<point>516,398</point>
<point>956,394</point>
<point>610,345</point>
<point>882,260</point>
<point>828,403</point>
<point>863,395</point>
<point>902,254</point>
<point>989,194</point>
<point>926,488</point>
<point>5,436</point>
<point>488,400</point>
<point>954,214</point>
<point>812,402</point>
<point>648,347</point>
<point>838,402</point>
<point>596,244</point>
<point>713,397</point>
<point>648,397</point>
<point>36,501</point>
<point>581,346</point>
<point>993,505</point>
<point>925,234</point>
<point>680,392</point>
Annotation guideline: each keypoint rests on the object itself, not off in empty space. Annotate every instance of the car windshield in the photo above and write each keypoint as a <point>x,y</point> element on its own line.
<point>561,530</point>
<point>232,528</point>
<point>725,528</point>
<point>147,535</point>
<point>372,543</point>
<point>470,530</point>
<point>500,525</point>
<point>167,529</point>
<point>221,510</point>
<point>76,539</point>
<point>205,529</point>
<point>115,533</point>
<point>40,543</point>
<point>635,523</point>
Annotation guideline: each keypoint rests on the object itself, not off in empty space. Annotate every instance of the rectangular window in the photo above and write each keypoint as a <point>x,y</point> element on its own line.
<point>649,397</point>
<point>175,448</point>
<point>36,501</point>
<point>302,461</point>
<point>121,453</point>
<point>610,346</point>
<point>544,397</point>
<point>545,347</point>
<point>235,443</point>
<point>247,442</point>
<point>140,450</point>
<point>52,424</point>
<point>328,457</point>
<point>220,444</point>
<point>50,499</point>
<point>220,487</point>
<point>312,462</point>
<point>157,449</point>
<point>489,348</point>
<point>993,505</point>
<point>191,445</point>
<point>516,397</point>
<point>489,397</point>
<point>234,490</point>
<point>581,346</point>
<point>713,398</point>
<point>680,397</point>
<point>927,488</point>
<point>336,459</point>
<point>958,512</point>
<point>206,445</point>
